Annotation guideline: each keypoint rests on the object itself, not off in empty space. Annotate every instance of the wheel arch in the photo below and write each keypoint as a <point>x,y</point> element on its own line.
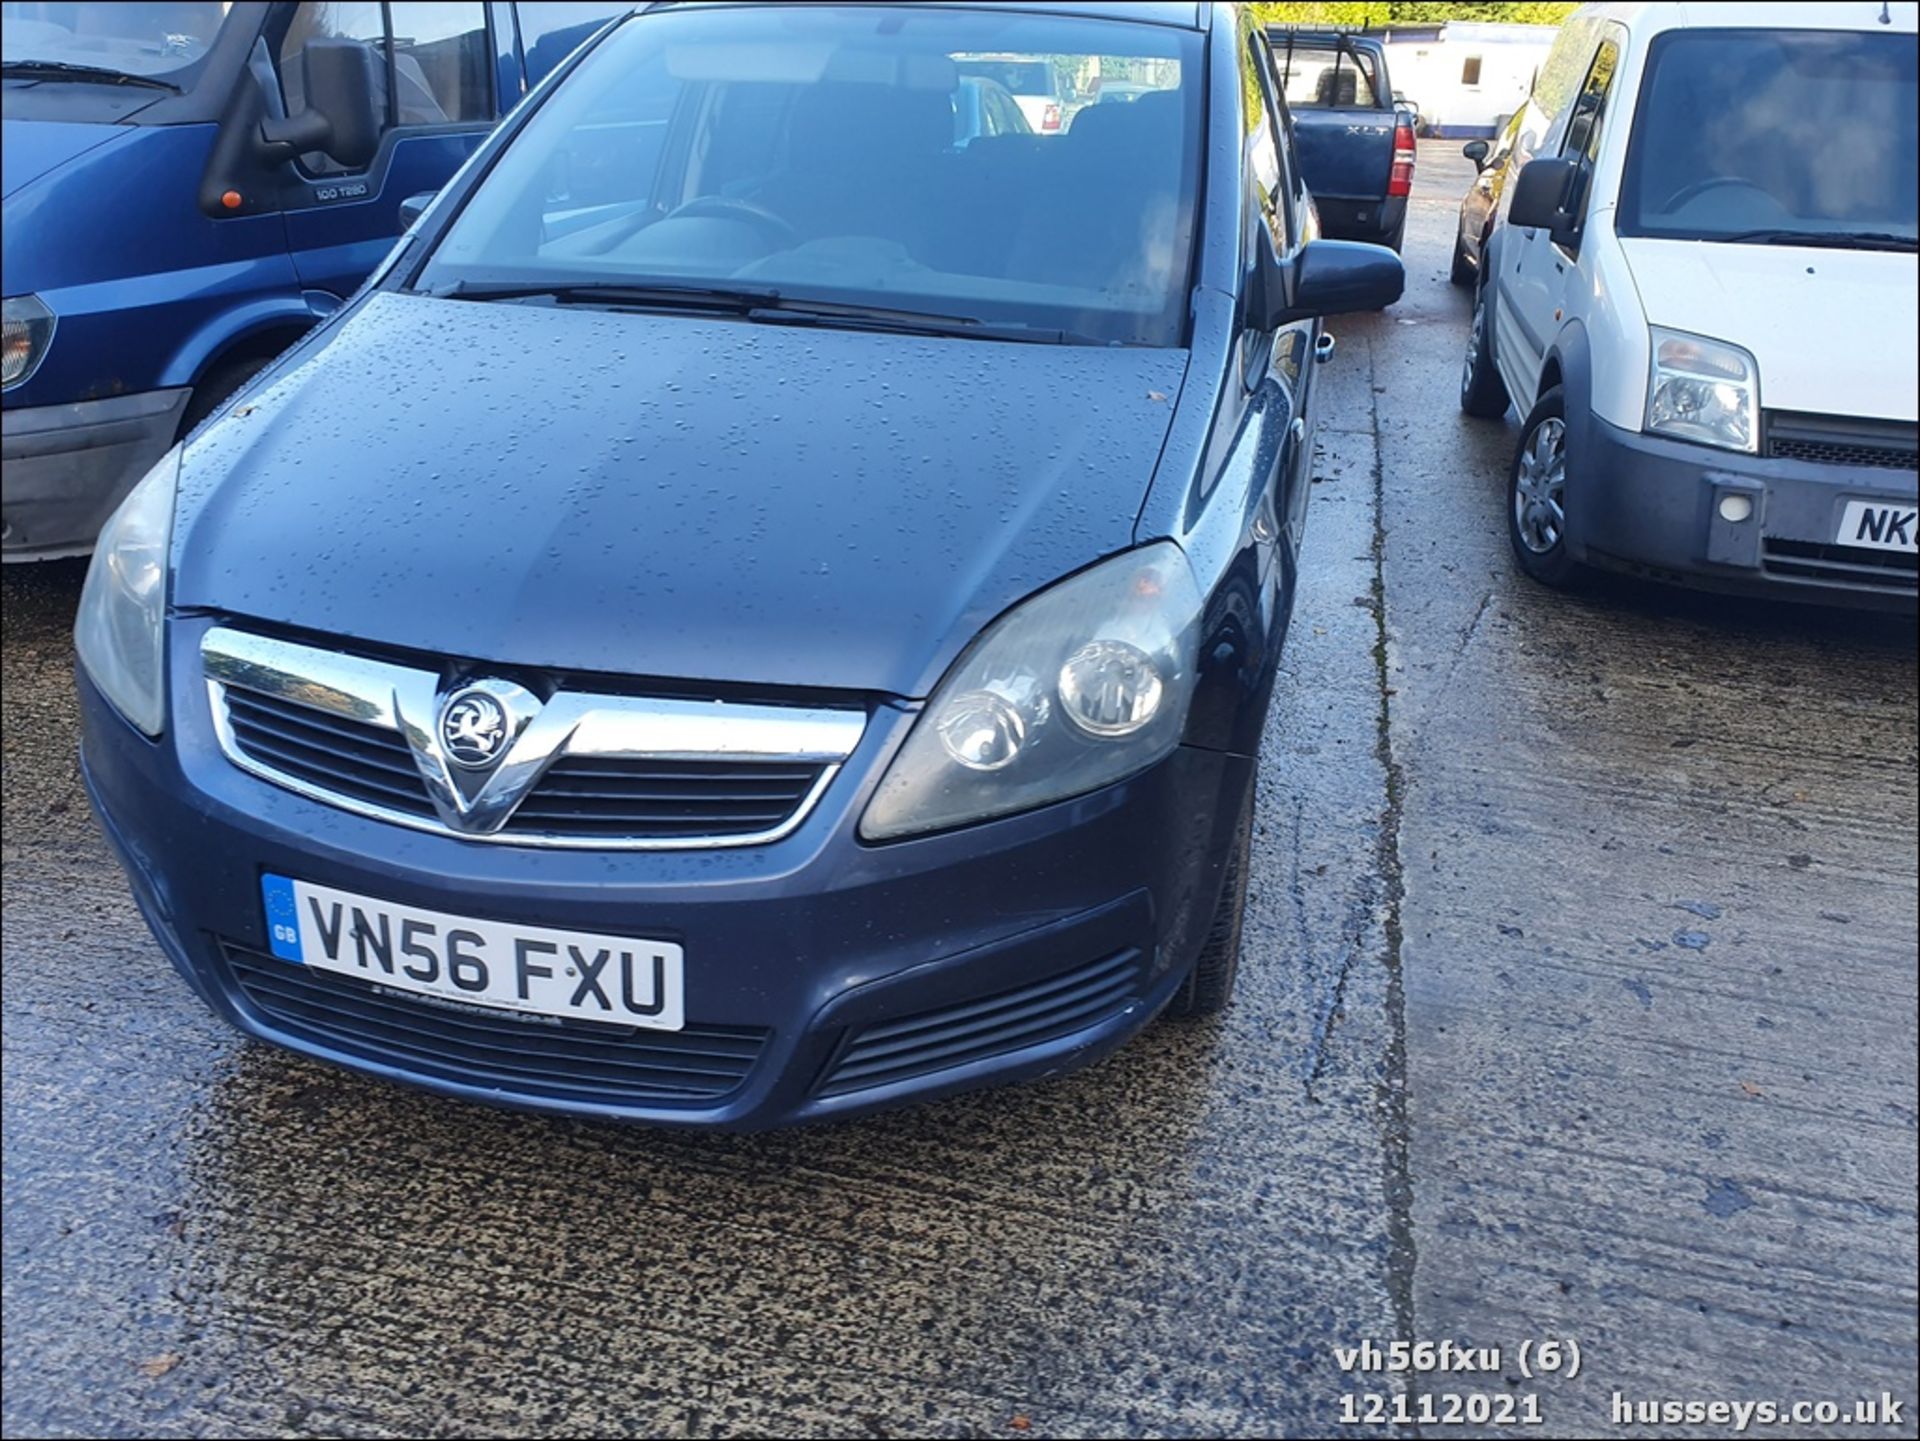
<point>260,328</point>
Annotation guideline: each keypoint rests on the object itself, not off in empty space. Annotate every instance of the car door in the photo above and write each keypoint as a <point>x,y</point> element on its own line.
<point>1244,517</point>
<point>438,63</point>
<point>1544,268</point>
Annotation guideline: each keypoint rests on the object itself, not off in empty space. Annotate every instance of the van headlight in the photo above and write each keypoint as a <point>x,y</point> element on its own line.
<point>26,328</point>
<point>1703,390</point>
<point>1082,685</point>
<point>118,631</point>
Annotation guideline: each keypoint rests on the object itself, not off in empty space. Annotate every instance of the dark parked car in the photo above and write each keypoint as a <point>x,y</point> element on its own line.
<point>1355,137</point>
<point>1482,200</point>
<point>784,639</point>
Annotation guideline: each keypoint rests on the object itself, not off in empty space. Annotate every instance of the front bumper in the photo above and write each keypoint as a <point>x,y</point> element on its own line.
<point>67,466</point>
<point>1008,950</point>
<point>1651,507</point>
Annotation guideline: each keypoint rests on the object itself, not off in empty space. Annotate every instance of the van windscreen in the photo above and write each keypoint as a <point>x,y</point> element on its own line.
<point>1775,136</point>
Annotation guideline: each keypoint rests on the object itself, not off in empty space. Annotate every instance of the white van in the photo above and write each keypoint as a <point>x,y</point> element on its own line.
<point>1701,293</point>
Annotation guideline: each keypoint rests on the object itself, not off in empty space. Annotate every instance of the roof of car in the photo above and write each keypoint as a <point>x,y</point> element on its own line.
<point>1692,14</point>
<point>1188,16</point>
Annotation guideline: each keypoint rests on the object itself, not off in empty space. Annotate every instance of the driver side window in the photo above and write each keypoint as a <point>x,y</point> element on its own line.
<point>1266,141</point>
<point>1588,116</point>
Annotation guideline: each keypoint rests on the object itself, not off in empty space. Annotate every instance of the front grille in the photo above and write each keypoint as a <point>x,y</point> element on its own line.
<point>955,1035</point>
<point>542,1057</point>
<point>1828,452</point>
<point>590,797</point>
<point>578,795</point>
<point>365,762</point>
<point>587,769</point>
<point>1843,440</point>
<point>1857,565</point>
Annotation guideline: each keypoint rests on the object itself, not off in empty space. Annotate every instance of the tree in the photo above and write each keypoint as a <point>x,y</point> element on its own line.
<point>1382,13</point>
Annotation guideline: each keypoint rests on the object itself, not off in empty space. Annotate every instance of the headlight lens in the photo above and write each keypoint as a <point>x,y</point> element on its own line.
<point>1703,390</point>
<point>118,630</point>
<point>1085,683</point>
<point>26,325</point>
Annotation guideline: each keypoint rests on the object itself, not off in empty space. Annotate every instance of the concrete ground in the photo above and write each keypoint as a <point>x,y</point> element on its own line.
<point>1578,1003</point>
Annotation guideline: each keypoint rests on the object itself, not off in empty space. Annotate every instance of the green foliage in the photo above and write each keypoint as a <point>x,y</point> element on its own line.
<point>1382,13</point>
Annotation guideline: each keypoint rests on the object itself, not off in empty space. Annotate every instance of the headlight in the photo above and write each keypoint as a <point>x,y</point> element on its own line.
<point>118,630</point>
<point>1083,684</point>
<point>26,325</point>
<point>1703,390</point>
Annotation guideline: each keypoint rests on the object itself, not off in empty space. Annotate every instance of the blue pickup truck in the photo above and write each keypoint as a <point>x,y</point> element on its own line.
<point>1355,144</point>
<point>190,186</point>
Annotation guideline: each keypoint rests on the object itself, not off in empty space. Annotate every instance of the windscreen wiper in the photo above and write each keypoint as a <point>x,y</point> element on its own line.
<point>1830,239</point>
<point>725,299</point>
<point>93,74</point>
<point>766,305</point>
<point>845,315</point>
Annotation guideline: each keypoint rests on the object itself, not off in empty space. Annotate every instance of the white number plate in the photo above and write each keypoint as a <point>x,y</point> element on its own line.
<point>1879,526</point>
<point>516,968</point>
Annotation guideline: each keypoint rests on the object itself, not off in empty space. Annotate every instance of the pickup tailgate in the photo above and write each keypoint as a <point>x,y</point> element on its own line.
<point>1345,154</point>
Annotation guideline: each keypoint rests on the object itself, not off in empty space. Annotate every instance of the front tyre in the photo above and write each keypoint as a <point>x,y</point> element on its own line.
<point>1209,986</point>
<point>1537,496</point>
<point>1482,392</point>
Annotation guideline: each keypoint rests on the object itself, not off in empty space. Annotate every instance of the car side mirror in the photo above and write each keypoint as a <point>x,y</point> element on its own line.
<point>1540,193</point>
<point>342,114</point>
<point>414,206</point>
<point>1328,277</point>
<point>1477,151</point>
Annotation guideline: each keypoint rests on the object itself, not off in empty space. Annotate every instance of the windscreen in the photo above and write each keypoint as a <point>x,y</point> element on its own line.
<point>1749,133</point>
<point>832,154</point>
<point>153,40</point>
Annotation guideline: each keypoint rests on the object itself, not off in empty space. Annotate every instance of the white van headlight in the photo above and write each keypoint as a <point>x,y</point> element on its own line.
<point>1703,390</point>
<point>118,631</point>
<point>1084,684</point>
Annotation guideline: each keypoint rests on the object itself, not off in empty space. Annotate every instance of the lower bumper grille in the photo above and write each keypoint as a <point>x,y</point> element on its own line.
<point>548,1058</point>
<point>1890,570</point>
<point>936,1040</point>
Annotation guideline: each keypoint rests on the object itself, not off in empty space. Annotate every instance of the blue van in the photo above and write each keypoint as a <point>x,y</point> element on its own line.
<point>190,186</point>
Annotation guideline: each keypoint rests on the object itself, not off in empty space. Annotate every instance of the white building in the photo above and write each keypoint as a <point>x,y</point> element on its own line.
<point>1466,77</point>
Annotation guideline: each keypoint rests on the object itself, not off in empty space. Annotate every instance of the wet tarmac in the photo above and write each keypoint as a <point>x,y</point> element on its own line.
<point>1578,1002</point>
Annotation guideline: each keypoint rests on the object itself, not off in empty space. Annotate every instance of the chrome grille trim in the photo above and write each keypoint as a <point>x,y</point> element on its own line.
<point>572,725</point>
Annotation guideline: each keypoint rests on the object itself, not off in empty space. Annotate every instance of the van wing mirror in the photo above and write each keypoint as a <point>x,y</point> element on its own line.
<point>1477,151</point>
<point>344,95</point>
<point>1540,194</point>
